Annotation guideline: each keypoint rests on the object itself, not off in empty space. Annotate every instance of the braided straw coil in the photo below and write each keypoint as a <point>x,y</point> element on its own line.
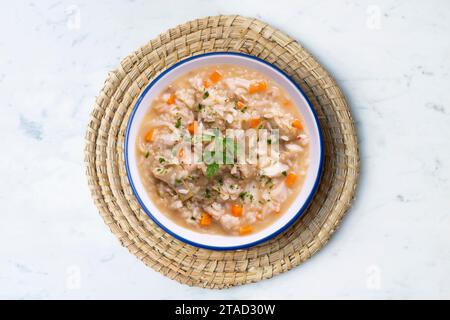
<point>104,155</point>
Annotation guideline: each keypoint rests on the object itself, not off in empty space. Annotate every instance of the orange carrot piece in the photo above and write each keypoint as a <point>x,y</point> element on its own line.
<point>255,87</point>
<point>239,105</point>
<point>245,230</point>
<point>206,84</point>
<point>205,219</point>
<point>297,124</point>
<point>192,128</point>
<point>171,99</point>
<point>236,210</point>
<point>262,86</point>
<point>290,179</point>
<point>181,153</point>
<point>149,135</point>
<point>215,76</point>
<point>254,123</point>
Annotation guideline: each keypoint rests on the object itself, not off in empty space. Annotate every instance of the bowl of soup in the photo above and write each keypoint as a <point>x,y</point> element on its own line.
<point>223,151</point>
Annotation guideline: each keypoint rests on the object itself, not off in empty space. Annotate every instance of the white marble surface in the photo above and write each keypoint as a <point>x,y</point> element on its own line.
<point>391,58</point>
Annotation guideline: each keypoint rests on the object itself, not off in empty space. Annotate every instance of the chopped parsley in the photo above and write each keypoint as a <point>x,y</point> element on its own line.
<point>178,123</point>
<point>159,170</point>
<point>269,141</point>
<point>247,195</point>
<point>200,107</point>
<point>212,169</point>
<point>244,109</point>
<point>267,181</point>
<point>284,173</point>
<point>192,178</point>
<point>162,160</point>
<point>147,154</point>
<point>205,94</point>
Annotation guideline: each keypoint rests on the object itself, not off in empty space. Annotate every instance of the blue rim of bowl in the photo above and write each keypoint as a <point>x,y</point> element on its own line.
<point>247,245</point>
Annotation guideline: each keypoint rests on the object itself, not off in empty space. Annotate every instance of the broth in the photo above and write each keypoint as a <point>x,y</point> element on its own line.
<point>215,198</point>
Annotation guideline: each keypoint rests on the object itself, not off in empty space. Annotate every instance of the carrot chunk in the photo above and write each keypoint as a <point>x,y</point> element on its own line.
<point>297,124</point>
<point>149,135</point>
<point>290,179</point>
<point>181,153</point>
<point>262,86</point>
<point>239,105</point>
<point>192,128</point>
<point>236,210</point>
<point>255,87</point>
<point>206,84</point>
<point>205,219</point>
<point>215,76</point>
<point>254,123</point>
<point>245,230</point>
<point>171,99</point>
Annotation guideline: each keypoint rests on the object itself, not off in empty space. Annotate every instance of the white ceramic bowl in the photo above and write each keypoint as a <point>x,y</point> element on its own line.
<point>220,242</point>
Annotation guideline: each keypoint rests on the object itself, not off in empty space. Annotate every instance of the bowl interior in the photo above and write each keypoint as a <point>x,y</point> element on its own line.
<point>220,242</point>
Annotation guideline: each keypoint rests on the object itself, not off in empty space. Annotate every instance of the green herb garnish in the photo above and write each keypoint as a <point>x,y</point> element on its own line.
<point>205,94</point>
<point>192,178</point>
<point>178,123</point>
<point>245,194</point>
<point>200,107</point>
<point>162,160</point>
<point>212,169</point>
<point>267,181</point>
<point>284,173</point>
<point>147,154</point>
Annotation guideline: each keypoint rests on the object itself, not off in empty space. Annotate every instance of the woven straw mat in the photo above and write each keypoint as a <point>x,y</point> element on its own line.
<point>104,155</point>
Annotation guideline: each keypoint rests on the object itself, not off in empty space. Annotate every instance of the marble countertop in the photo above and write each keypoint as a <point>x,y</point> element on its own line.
<point>392,60</point>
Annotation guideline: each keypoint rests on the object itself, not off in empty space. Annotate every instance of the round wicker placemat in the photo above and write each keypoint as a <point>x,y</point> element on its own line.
<point>137,232</point>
